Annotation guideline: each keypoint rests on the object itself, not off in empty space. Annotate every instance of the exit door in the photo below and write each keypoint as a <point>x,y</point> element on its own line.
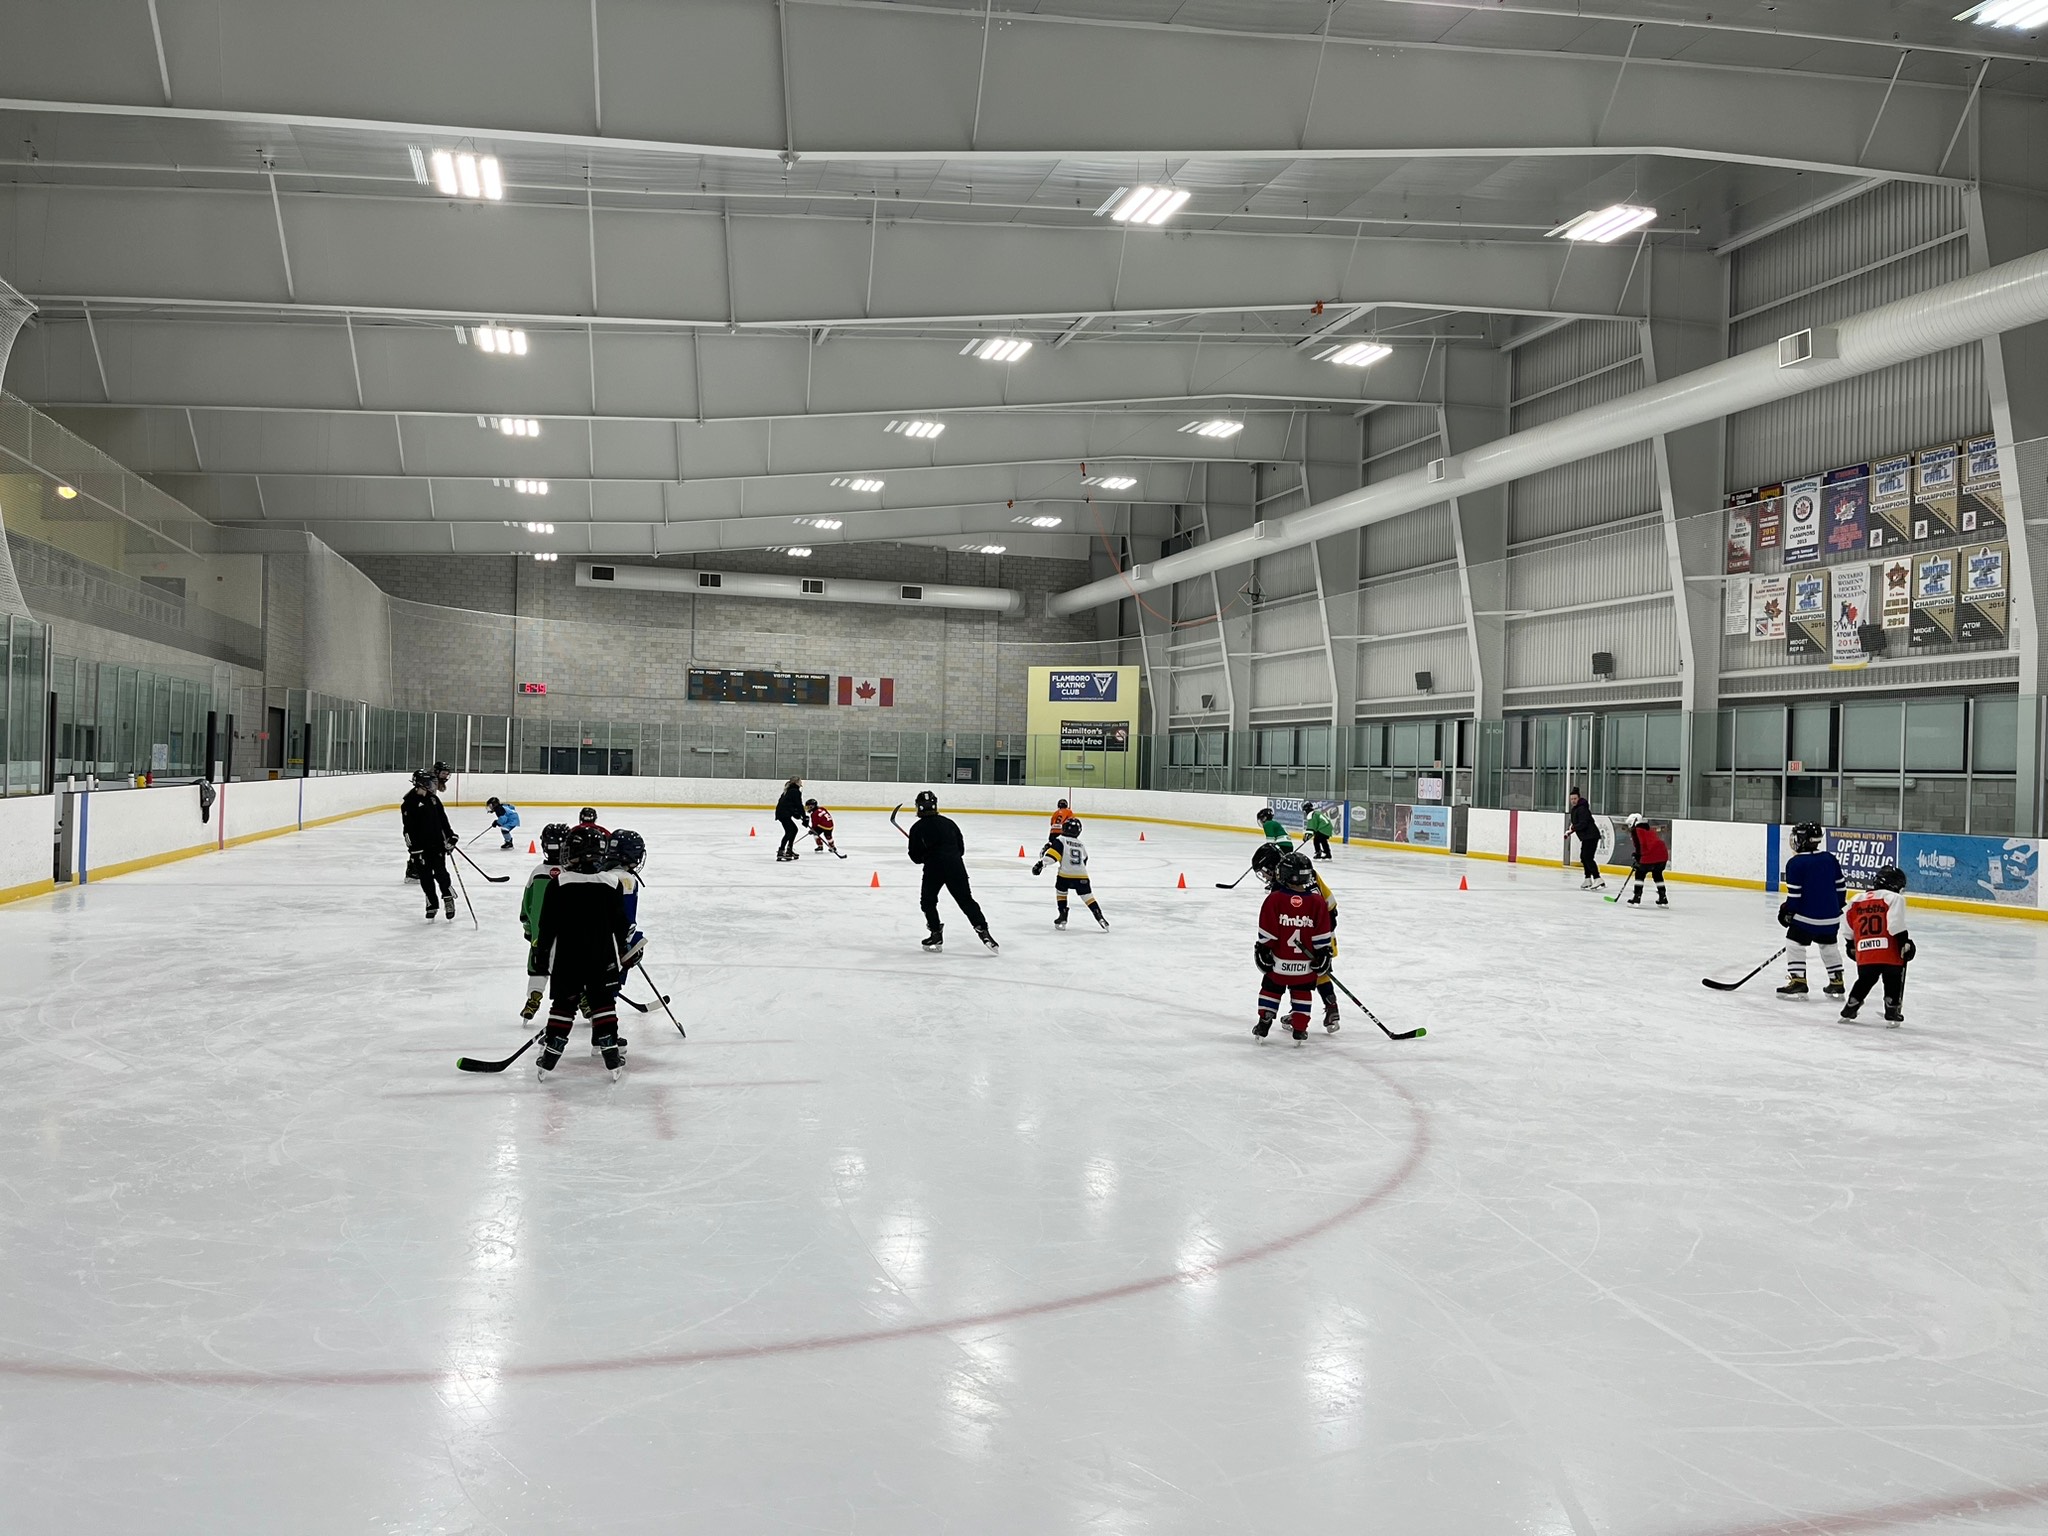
<point>758,751</point>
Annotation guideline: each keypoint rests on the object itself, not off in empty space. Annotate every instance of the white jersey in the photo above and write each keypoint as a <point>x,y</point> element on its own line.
<point>1073,857</point>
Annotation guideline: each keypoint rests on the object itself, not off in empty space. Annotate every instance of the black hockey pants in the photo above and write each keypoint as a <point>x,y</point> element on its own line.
<point>790,828</point>
<point>1894,978</point>
<point>949,876</point>
<point>433,863</point>
<point>1588,861</point>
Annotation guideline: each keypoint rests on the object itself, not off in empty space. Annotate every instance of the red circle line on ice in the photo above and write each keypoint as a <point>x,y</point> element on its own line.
<point>1412,1157</point>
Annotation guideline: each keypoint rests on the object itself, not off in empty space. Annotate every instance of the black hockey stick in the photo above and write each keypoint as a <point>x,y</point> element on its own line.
<point>662,997</point>
<point>1615,899</point>
<point>1730,986</point>
<point>472,863</point>
<point>460,886</point>
<point>470,1064</point>
<point>1231,885</point>
<point>489,828</point>
<point>1411,1034</point>
<point>897,824</point>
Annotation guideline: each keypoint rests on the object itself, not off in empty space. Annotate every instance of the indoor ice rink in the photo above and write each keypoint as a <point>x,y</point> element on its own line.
<point>1118,767</point>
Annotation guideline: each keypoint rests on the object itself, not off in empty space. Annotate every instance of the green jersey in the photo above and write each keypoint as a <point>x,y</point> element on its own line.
<point>1277,834</point>
<point>1320,824</point>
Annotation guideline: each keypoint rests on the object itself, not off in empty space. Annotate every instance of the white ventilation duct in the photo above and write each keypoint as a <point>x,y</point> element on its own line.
<point>805,589</point>
<point>2003,299</point>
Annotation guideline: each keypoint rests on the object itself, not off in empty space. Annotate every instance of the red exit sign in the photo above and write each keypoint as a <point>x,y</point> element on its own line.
<point>533,687</point>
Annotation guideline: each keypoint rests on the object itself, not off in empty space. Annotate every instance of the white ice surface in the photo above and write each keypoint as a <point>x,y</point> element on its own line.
<point>1038,1242</point>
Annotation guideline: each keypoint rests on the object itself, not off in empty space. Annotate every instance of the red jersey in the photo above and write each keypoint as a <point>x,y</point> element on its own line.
<point>821,820</point>
<point>1650,847</point>
<point>1876,919</point>
<point>1289,924</point>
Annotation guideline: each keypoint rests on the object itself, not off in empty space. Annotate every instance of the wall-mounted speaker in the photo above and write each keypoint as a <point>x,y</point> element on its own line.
<point>1603,665</point>
<point>1873,639</point>
<point>1424,682</point>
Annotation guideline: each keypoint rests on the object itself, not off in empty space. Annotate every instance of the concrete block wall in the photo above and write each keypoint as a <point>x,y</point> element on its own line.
<point>624,655</point>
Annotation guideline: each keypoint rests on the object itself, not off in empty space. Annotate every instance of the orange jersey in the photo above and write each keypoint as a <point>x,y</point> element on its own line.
<point>1875,920</point>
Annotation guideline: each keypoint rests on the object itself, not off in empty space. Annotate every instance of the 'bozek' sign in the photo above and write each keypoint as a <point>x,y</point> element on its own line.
<point>1083,688</point>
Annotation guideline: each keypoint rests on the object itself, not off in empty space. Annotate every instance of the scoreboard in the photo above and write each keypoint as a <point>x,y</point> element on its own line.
<point>715,686</point>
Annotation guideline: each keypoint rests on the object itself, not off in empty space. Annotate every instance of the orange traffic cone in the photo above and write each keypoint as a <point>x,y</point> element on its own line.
<point>875,883</point>
<point>1183,883</point>
<point>1021,853</point>
<point>1141,837</point>
<point>1462,885</point>
<point>750,831</point>
<point>532,847</point>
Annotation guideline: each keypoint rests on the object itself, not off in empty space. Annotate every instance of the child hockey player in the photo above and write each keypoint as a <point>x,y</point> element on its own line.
<point>1065,850</point>
<point>1326,985</point>
<point>1059,820</point>
<point>587,817</point>
<point>1649,858</point>
<point>1812,910</point>
<point>542,876</point>
<point>504,817</point>
<point>1881,945</point>
<point>820,822</point>
<point>585,947</point>
<point>1319,827</point>
<point>429,837</point>
<point>1295,932</point>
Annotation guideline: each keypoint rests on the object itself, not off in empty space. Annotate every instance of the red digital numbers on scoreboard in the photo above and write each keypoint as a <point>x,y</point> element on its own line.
<point>533,687</point>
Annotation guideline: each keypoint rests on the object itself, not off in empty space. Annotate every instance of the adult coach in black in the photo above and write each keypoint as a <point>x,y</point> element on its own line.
<point>789,810</point>
<point>935,843</point>
<point>1587,832</point>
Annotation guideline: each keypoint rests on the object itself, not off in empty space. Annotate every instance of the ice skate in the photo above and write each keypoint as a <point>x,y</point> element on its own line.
<point>1796,987</point>
<point>1598,885</point>
<point>449,912</point>
<point>551,1048</point>
<point>1585,885</point>
<point>1264,1027</point>
<point>1301,1034</point>
<point>1662,899</point>
<point>1834,988</point>
<point>532,1004</point>
<point>597,1047</point>
<point>1060,921</point>
<point>612,1050</point>
<point>934,942</point>
<point>1101,921</point>
<point>433,912</point>
<point>1330,1018</point>
<point>985,937</point>
<point>1894,1016</point>
<point>1851,1008</point>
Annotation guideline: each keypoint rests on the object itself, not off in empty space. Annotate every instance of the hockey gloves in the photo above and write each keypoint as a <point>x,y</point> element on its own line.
<point>1907,949</point>
<point>636,946</point>
<point>1785,914</point>
<point>1262,957</point>
<point>1038,868</point>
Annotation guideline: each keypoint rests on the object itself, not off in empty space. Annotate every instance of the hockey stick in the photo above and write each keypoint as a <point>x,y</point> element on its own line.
<point>663,998</point>
<point>1231,885</point>
<point>462,887</point>
<point>1412,1034</point>
<point>1626,881</point>
<point>472,863</point>
<point>491,828</point>
<point>470,1064</point>
<point>897,824</point>
<point>1730,986</point>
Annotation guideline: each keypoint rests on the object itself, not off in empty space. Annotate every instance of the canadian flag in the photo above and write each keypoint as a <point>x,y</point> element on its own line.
<point>868,692</point>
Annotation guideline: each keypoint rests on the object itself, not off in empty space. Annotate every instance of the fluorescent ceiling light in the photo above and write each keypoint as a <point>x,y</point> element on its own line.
<point>1111,482</point>
<point>1217,427</point>
<point>67,492</point>
<point>538,527</point>
<point>798,552</point>
<point>530,487</point>
<point>547,554</point>
<point>1038,522</point>
<point>462,174</point>
<point>496,339</point>
<point>983,549</point>
<point>997,349</point>
<point>916,428</point>
<point>418,157</point>
<point>2017,14</point>
<point>1605,225</point>
<point>1144,205</point>
<point>1358,354</point>
<point>852,483</point>
<point>827,523</point>
<point>514,426</point>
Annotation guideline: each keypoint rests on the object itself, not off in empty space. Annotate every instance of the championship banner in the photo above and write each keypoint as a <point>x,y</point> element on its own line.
<point>1770,514</point>
<point>1734,608</point>
<point>1891,503</point>
<point>1850,600</point>
<point>1983,605</point>
<point>1983,498</point>
<point>1807,622</point>
<point>1934,493</point>
<point>1898,593</point>
<point>1934,599</point>
<point>1741,532</point>
<point>1845,506</point>
<point>1767,608</point>
<point>1802,523</point>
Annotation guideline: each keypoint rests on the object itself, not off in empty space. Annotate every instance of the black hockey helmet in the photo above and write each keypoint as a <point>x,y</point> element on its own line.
<point>1295,873</point>
<point>495,803</point>
<point>584,850</point>
<point>1890,878</point>
<point>552,836</point>
<point>628,850</point>
<point>1806,837</point>
<point>1266,859</point>
<point>1071,827</point>
<point>927,802</point>
<point>810,805</point>
<point>586,817</point>
<point>1062,805</point>
<point>423,778</point>
<point>441,771</point>
<point>1265,815</point>
<point>1307,806</point>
